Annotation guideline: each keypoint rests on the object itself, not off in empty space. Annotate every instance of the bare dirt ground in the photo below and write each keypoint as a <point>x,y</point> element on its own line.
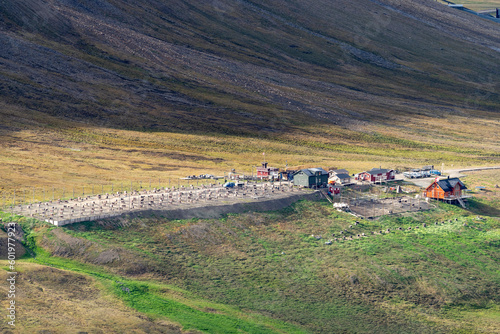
<point>387,206</point>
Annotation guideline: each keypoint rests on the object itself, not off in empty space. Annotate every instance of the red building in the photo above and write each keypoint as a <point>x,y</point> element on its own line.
<point>334,189</point>
<point>266,172</point>
<point>376,175</point>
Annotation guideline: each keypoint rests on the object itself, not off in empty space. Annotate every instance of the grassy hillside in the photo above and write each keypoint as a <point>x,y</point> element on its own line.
<point>118,91</point>
<point>94,95</point>
<point>264,272</point>
<point>479,5</point>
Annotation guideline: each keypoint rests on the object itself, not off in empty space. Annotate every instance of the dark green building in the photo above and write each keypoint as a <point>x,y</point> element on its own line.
<point>311,177</point>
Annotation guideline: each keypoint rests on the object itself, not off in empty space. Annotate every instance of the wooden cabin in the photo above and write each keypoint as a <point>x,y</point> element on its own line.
<point>446,189</point>
<point>339,176</point>
<point>340,179</point>
<point>311,177</point>
<point>376,175</point>
<point>265,172</point>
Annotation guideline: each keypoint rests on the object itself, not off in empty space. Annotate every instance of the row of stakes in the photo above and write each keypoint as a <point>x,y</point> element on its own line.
<point>154,199</point>
<point>342,234</point>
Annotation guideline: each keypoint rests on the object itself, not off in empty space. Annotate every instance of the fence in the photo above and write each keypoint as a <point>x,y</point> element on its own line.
<point>31,195</point>
<point>374,205</point>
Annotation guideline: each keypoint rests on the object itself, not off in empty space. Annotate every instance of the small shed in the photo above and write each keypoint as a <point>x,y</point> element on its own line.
<point>311,177</point>
<point>334,189</point>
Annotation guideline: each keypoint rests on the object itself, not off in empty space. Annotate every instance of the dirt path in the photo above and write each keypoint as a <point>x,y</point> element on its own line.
<point>458,172</point>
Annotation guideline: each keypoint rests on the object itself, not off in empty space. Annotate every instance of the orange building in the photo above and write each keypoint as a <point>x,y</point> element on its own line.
<point>446,189</point>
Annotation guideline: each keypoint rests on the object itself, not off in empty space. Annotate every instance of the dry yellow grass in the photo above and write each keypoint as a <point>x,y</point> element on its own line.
<point>67,156</point>
<point>66,302</point>
<point>47,154</point>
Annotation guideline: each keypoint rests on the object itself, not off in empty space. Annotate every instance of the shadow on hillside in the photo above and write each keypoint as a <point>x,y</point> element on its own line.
<point>481,208</point>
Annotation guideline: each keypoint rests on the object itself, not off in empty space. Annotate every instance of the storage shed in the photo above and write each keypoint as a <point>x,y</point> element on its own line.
<point>311,177</point>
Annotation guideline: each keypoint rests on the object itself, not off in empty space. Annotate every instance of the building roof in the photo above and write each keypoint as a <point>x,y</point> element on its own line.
<point>449,184</point>
<point>321,170</point>
<point>339,171</point>
<point>378,171</point>
<point>343,176</point>
<point>312,171</point>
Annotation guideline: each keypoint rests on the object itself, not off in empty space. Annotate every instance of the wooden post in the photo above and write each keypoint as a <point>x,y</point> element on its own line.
<point>14,204</point>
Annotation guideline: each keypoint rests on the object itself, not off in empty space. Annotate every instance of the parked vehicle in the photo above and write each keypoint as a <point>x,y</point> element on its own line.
<point>407,175</point>
<point>415,175</point>
<point>435,172</point>
<point>229,185</point>
<point>425,174</point>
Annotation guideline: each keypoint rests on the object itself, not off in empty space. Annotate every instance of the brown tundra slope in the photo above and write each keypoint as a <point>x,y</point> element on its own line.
<point>315,74</point>
<point>149,64</point>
